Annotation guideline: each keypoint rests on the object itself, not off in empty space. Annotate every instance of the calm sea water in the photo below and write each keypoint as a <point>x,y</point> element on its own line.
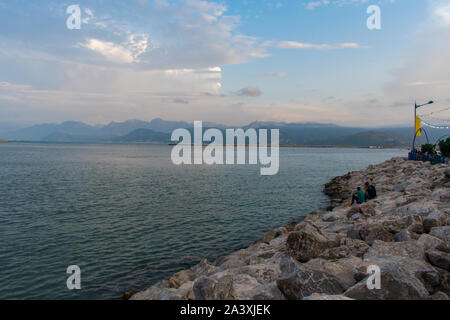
<point>129,217</point>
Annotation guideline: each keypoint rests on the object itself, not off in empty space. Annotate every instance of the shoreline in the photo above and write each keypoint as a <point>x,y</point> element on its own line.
<point>405,231</point>
<point>205,145</point>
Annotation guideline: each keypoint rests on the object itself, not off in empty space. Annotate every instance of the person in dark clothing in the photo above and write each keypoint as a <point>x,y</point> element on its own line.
<point>371,191</point>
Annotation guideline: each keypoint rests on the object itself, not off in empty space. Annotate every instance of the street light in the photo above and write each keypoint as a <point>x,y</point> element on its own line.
<point>421,105</point>
<point>416,106</point>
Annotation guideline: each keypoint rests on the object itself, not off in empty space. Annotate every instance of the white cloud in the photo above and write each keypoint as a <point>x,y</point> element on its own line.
<point>271,75</point>
<point>442,12</point>
<point>300,45</point>
<point>113,52</point>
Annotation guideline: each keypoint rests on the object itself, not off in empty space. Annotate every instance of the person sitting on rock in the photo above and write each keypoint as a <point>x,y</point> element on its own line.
<point>371,192</point>
<point>361,196</point>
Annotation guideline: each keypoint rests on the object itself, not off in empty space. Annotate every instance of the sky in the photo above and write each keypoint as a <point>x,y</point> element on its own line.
<point>230,62</point>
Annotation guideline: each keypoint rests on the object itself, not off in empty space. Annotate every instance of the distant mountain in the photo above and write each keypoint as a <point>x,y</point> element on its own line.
<point>366,139</point>
<point>145,135</point>
<point>115,129</point>
<point>41,131</point>
<point>159,130</point>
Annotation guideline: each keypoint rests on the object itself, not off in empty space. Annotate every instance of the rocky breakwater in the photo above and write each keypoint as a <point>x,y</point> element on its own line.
<point>405,232</point>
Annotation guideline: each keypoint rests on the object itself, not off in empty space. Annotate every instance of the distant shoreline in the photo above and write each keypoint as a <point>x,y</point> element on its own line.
<point>204,145</point>
<point>315,146</point>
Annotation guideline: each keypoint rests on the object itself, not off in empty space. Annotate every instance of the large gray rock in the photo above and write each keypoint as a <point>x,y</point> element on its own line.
<point>343,269</point>
<point>234,284</point>
<point>405,235</point>
<point>338,227</point>
<point>329,217</point>
<point>299,281</point>
<point>441,232</point>
<point>412,223</point>
<point>434,219</point>
<point>204,268</point>
<point>441,194</point>
<point>408,255</point>
<point>213,288</point>
<point>430,242</point>
<point>348,247</point>
<point>409,249</point>
<point>396,284</point>
<point>308,241</point>
<point>440,296</point>
<point>373,232</point>
<point>181,278</point>
<point>439,259</point>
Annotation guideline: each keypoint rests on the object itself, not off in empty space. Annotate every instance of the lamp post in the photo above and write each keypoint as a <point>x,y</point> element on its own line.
<point>416,106</point>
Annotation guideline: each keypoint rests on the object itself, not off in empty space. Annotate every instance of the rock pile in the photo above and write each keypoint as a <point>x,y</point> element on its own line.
<point>405,232</point>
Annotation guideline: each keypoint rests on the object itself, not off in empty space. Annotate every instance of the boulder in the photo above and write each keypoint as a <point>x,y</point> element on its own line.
<point>356,217</point>
<point>338,227</point>
<point>151,293</point>
<point>439,259</point>
<point>204,268</point>
<point>343,269</point>
<point>264,273</point>
<point>434,219</point>
<point>180,278</point>
<point>442,233</point>
<point>372,232</point>
<point>355,209</point>
<point>348,247</point>
<point>308,241</point>
<point>430,242</point>
<point>409,249</point>
<point>439,296</point>
<point>405,235</point>
<point>128,294</point>
<point>367,210</point>
<point>410,256</point>
<point>441,194</point>
<point>268,292</point>
<point>412,223</point>
<point>329,217</point>
<point>396,284</point>
<point>234,260</point>
<point>299,281</point>
<point>213,288</point>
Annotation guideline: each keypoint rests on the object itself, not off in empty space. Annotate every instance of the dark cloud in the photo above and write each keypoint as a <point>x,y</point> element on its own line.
<point>249,92</point>
<point>178,100</point>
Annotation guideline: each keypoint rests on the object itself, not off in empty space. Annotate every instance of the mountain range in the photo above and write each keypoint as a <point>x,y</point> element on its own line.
<point>159,131</point>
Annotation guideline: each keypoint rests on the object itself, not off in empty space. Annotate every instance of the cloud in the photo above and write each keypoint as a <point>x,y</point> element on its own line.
<point>249,92</point>
<point>442,13</point>
<point>271,75</point>
<point>113,52</point>
<point>182,101</point>
<point>311,5</point>
<point>300,45</point>
<point>127,52</point>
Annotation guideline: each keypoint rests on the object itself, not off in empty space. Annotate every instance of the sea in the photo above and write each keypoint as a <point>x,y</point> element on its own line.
<point>128,217</point>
